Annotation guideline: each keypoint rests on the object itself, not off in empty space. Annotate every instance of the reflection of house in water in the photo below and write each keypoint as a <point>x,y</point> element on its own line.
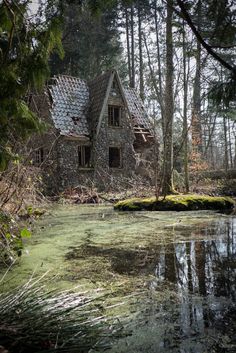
<point>96,130</point>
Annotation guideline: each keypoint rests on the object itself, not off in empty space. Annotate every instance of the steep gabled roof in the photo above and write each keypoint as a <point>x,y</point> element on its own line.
<point>136,108</point>
<point>99,90</point>
<point>70,96</point>
<point>78,105</point>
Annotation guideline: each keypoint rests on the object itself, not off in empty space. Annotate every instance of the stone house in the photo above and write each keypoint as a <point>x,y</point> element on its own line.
<point>94,131</point>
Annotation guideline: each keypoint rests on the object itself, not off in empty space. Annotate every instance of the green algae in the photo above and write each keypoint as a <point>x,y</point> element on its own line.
<point>100,240</point>
<point>122,252</point>
<point>176,203</point>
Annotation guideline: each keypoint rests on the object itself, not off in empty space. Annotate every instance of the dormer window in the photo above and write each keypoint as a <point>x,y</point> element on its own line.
<point>114,114</point>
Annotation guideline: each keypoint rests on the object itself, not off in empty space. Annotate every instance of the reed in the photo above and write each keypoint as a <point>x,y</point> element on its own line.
<point>35,320</point>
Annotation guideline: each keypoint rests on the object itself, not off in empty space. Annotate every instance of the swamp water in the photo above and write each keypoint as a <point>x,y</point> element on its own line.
<point>174,272</point>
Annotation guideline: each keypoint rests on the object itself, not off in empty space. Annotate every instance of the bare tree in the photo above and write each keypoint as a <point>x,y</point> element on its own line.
<point>167,180</point>
<point>128,43</point>
<point>132,48</point>
<point>185,118</point>
<point>140,44</point>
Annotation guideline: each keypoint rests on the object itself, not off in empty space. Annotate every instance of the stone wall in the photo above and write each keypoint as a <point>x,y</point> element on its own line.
<point>61,170</point>
<point>69,173</point>
<point>47,140</point>
<point>108,136</point>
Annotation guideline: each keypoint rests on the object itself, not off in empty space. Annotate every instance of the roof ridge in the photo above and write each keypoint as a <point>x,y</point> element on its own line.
<point>69,76</point>
<point>86,81</point>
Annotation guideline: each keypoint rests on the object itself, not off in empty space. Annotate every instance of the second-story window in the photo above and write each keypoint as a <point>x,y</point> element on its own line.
<point>114,114</point>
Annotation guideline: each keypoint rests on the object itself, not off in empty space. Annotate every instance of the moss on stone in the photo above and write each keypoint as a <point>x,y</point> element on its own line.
<point>177,203</point>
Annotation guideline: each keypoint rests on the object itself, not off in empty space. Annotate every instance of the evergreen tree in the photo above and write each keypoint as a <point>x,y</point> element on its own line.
<point>218,38</point>
<point>25,46</point>
<point>91,43</point>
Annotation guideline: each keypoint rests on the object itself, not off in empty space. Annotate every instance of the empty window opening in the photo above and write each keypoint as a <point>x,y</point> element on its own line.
<point>114,113</point>
<point>75,119</point>
<point>114,157</point>
<point>38,157</point>
<point>84,155</point>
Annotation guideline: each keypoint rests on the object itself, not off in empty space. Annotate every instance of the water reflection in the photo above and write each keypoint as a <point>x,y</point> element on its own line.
<point>192,308</point>
<point>205,276</point>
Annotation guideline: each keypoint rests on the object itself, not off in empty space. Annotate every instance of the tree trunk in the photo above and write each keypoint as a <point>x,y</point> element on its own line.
<point>235,152</point>
<point>230,144</point>
<point>234,148</point>
<point>132,49</point>
<point>159,65</point>
<point>196,109</point>
<point>226,159</point>
<point>128,44</point>
<point>153,77</point>
<point>211,131</point>
<point>167,180</point>
<point>185,118</point>
<point>141,80</point>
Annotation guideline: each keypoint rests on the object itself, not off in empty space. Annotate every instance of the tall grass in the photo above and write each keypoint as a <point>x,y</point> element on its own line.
<point>34,320</point>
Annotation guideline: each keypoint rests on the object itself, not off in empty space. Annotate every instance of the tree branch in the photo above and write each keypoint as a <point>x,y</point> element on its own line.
<point>202,41</point>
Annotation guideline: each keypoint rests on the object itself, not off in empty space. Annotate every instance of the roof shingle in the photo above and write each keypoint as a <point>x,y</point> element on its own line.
<point>70,97</point>
<point>136,108</point>
<point>98,89</point>
<point>76,103</point>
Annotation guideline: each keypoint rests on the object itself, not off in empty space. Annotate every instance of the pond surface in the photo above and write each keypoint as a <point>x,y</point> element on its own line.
<point>178,271</point>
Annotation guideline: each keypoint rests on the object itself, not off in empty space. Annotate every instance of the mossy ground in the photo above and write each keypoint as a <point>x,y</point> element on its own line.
<point>176,203</point>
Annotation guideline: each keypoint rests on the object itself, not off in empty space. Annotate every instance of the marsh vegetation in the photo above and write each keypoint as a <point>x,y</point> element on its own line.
<point>172,273</point>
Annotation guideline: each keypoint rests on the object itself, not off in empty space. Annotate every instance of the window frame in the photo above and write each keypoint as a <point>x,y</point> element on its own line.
<point>38,156</point>
<point>112,116</point>
<point>82,158</point>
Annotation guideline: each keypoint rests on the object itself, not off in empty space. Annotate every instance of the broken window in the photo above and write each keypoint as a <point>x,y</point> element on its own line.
<point>84,155</point>
<point>114,113</point>
<point>75,119</point>
<point>114,157</point>
<point>38,157</point>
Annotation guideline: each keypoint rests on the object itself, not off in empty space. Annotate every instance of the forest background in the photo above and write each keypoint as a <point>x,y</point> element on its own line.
<point>179,55</point>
